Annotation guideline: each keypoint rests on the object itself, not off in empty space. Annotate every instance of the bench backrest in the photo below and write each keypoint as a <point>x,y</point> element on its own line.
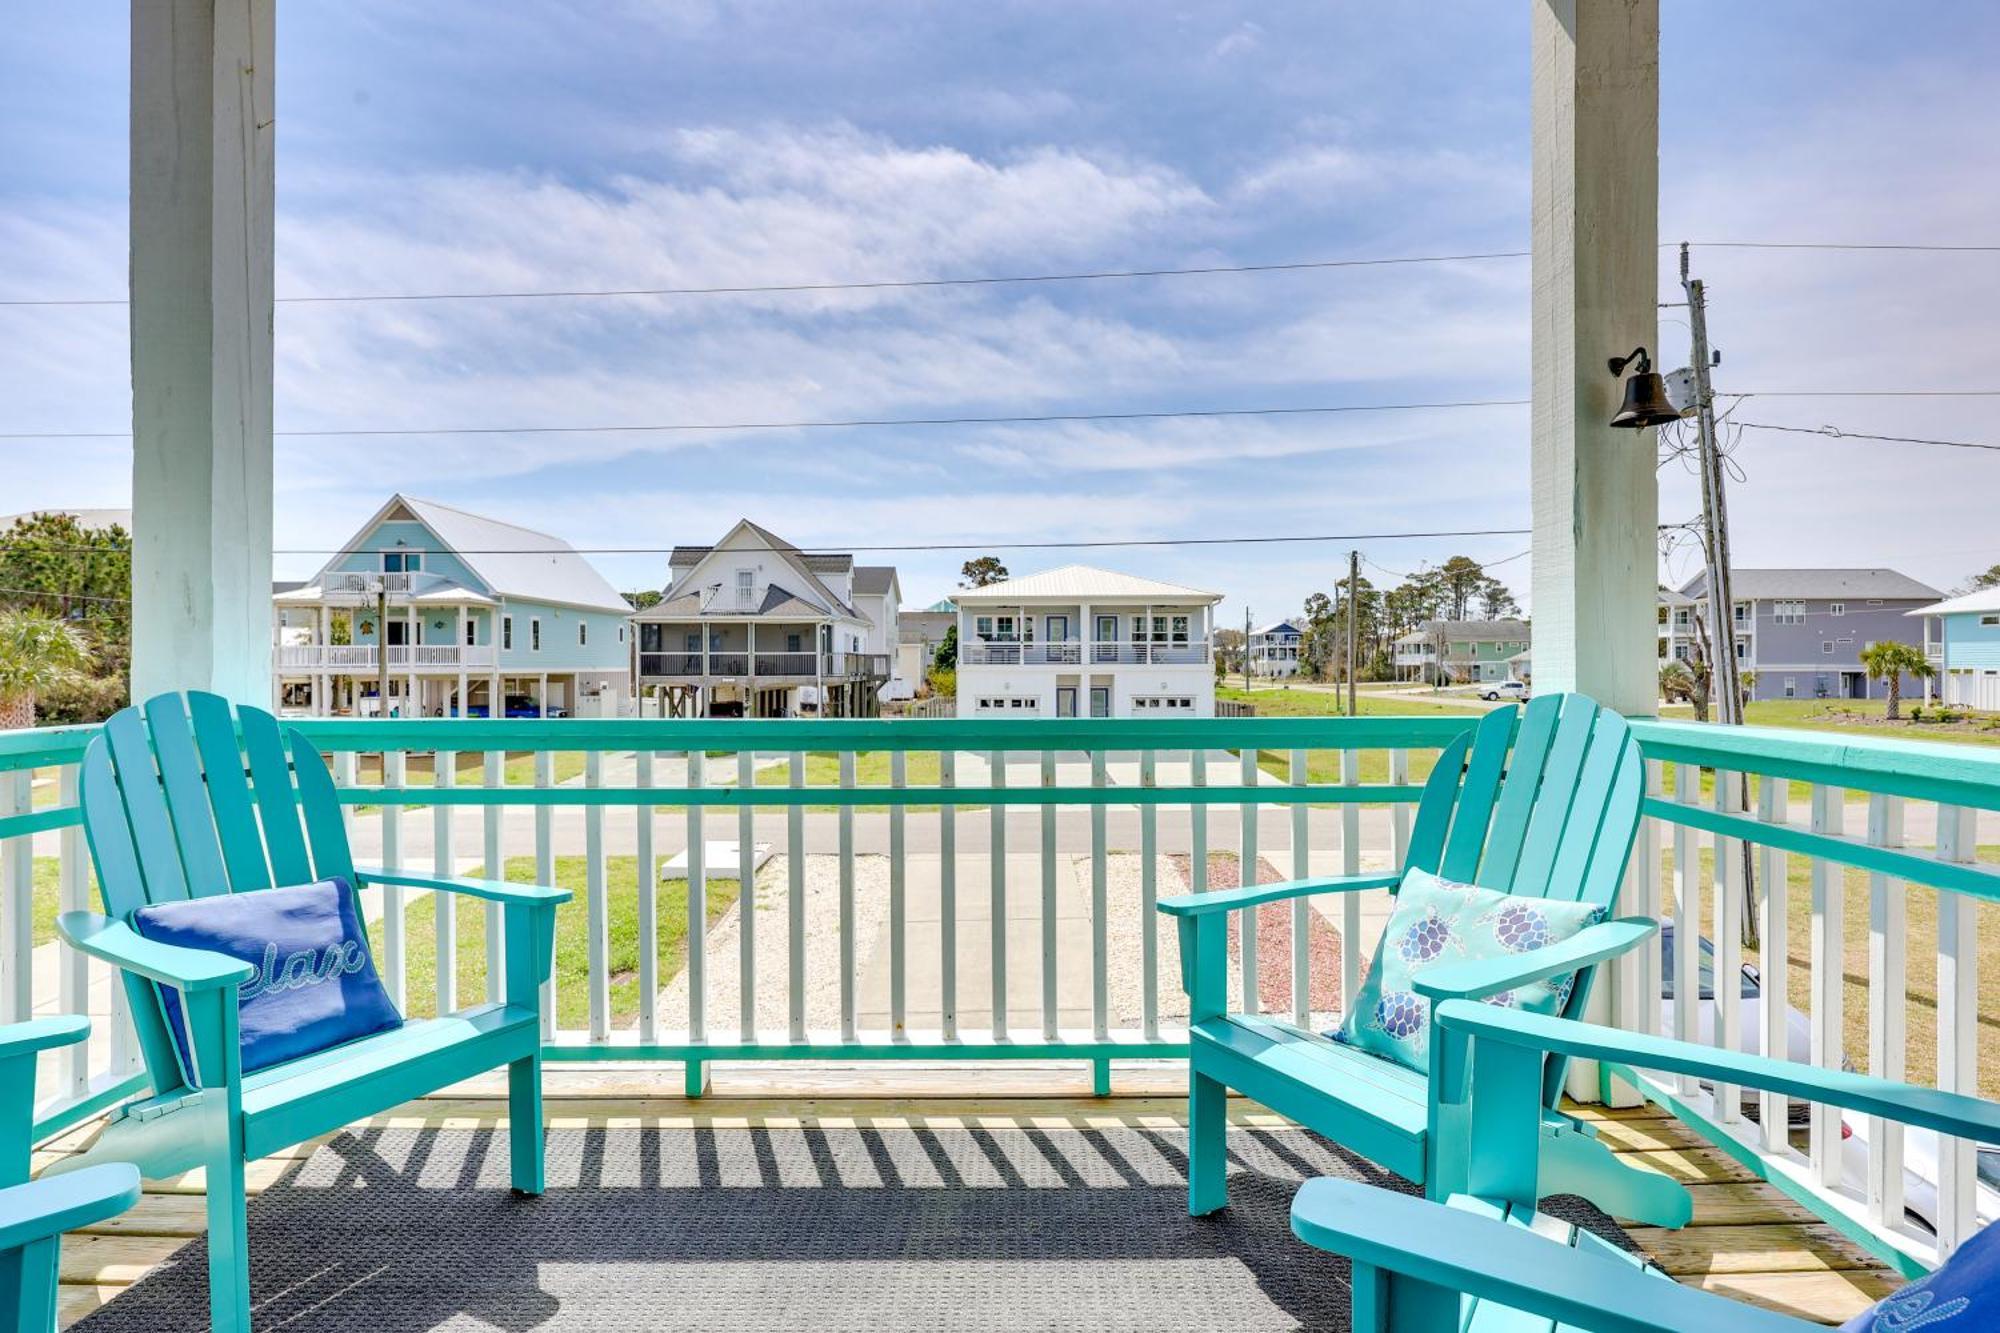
<point>183,801</point>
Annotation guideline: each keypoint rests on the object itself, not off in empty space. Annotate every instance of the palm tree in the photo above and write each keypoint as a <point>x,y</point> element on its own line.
<point>1888,659</point>
<point>37,652</point>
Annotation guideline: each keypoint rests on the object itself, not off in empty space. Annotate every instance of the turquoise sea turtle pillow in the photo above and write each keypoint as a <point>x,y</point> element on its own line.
<point>1442,921</point>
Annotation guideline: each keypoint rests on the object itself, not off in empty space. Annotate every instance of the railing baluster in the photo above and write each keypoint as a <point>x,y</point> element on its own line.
<point>1051,1025</point>
<point>1301,909</point>
<point>997,903</point>
<point>1888,1008</point>
<point>746,899</point>
<point>846,860</point>
<point>697,905</point>
<point>1198,823</point>
<point>444,906</point>
<point>1246,876</point>
<point>1149,893</point>
<point>344,764</point>
<point>1399,813</point>
<point>73,893</point>
<point>596,898</point>
<point>493,774</point>
<point>1100,955</point>
<point>545,869</point>
<point>899,1018</point>
<point>646,867</point>
<point>795,902</point>
<point>1653,904</point>
<point>1774,963</point>
<point>948,898</point>
<point>393,963</point>
<point>1350,864</point>
<point>17,887</point>
<point>1728,902</point>
<point>1687,920</point>
<point>1957,1028</point>
<point>1828,980</point>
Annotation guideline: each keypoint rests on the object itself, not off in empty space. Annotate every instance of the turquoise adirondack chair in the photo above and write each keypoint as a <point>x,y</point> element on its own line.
<point>34,1214</point>
<point>1486,1259</point>
<point>1548,809</point>
<point>169,814</point>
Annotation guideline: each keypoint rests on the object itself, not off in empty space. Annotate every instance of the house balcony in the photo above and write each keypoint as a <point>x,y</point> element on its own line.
<point>1078,652</point>
<point>769,667</point>
<point>362,658</point>
<point>906,919</point>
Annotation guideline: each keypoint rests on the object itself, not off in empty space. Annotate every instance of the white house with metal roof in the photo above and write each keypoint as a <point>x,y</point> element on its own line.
<point>1802,630</point>
<point>477,616</point>
<point>1081,641</point>
<point>754,627</point>
<point>1274,650</point>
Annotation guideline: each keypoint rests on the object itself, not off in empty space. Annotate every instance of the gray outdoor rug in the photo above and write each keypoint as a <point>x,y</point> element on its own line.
<point>779,1229</point>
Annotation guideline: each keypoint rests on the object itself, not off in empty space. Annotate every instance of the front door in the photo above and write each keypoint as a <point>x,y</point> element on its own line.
<point>1107,635</point>
<point>1065,701</point>
<point>1058,627</point>
<point>1100,701</point>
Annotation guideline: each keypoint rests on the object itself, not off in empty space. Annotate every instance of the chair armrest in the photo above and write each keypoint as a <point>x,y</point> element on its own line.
<point>48,1207</point>
<point>1507,1263</point>
<point>1228,900</point>
<point>493,890</point>
<point>1948,1113</point>
<point>43,1034</point>
<point>1476,979</point>
<point>116,943</point>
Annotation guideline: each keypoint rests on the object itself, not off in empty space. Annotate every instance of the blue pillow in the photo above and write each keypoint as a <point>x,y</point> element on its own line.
<point>1440,921</point>
<point>1963,1294</point>
<point>316,984</point>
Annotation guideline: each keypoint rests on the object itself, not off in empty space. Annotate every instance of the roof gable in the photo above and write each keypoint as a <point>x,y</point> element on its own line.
<point>688,563</point>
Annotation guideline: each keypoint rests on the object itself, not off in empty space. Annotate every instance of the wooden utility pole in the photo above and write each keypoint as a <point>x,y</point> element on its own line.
<point>1353,621</point>
<point>1246,649</point>
<point>1723,677</point>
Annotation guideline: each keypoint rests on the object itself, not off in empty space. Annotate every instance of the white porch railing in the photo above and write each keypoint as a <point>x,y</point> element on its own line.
<point>362,657</point>
<point>1078,652</point>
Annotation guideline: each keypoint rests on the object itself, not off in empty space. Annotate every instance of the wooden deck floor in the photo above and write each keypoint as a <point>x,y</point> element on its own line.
<point>1747,1239</point>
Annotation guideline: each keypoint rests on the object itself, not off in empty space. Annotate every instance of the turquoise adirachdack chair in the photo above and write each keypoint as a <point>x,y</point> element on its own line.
<point>34,1214</point>
<point>170,814</point>
<point>1487,1259</point>
<point>1548,809</point>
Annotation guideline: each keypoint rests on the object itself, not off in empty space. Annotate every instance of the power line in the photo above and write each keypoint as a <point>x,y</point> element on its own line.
<point>882,284</point>
<point>1835,432</point>
<point>1913,247</point>
<point>856,423</point>
<point>1864,393</point>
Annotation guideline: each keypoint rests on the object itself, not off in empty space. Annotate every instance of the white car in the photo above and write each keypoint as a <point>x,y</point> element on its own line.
<point>1494,691</point>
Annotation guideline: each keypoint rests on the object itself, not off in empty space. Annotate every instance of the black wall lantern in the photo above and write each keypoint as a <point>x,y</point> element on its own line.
<point>1646,401</point>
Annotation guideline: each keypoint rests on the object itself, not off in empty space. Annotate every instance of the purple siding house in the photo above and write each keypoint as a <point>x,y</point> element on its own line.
<point>1802,630</point>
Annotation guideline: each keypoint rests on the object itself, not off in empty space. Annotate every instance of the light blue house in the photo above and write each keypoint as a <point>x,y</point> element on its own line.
<point>477,616</point>
<point>1965,649</point>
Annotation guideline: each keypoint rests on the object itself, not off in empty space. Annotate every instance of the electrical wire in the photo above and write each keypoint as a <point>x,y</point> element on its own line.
<point>883,284</point>
<point>1836,433</point>
<point>856,423</point>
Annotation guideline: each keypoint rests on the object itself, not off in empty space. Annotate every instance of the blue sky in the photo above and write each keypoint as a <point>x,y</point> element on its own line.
<point>487,146</point>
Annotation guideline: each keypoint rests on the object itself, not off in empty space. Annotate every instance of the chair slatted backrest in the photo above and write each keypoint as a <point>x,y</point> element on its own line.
<point>187,800</point>
<point>1546,809</point>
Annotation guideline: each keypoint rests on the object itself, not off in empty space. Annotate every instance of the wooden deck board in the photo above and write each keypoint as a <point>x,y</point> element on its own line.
<point>1748,1240</point>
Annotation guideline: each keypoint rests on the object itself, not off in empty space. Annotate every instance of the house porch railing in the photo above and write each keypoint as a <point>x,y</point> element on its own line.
<point>899,845</point>
<point>361,657</point>
<point>798,666</point>
<point>1078,652</point>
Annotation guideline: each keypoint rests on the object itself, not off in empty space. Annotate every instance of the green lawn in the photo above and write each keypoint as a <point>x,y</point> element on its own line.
<point>420,770</point>
<point>572,939</point>
<point>1276,701</point>
<point>871,769</point>
<point>1921,951</point>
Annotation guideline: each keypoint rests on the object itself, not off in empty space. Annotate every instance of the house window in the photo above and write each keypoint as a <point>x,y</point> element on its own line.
<point>746,586</point>
<point>582,634</point>
<point>402,562</point>
<point>1836,608</point>
<point>1680,617</point>
<point>534,634</point>
<point>1989,620</point>
<point>507,633</point>
<point>1180,624</point>
<point>1743,613</point>
<point>621,634</point>
<point>1791,687</point>
<point>1826,646</point>
<point>1788,613</point>
<point>694,641</point>
<point>1163,703</point>
<point>471,631</point>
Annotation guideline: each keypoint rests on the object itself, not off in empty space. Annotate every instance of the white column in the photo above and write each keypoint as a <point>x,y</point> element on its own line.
<point>462,655</point>
<point>496,703</point>
<point>1595,211</point>
<point>542,695</point>
<point>201,243</point>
